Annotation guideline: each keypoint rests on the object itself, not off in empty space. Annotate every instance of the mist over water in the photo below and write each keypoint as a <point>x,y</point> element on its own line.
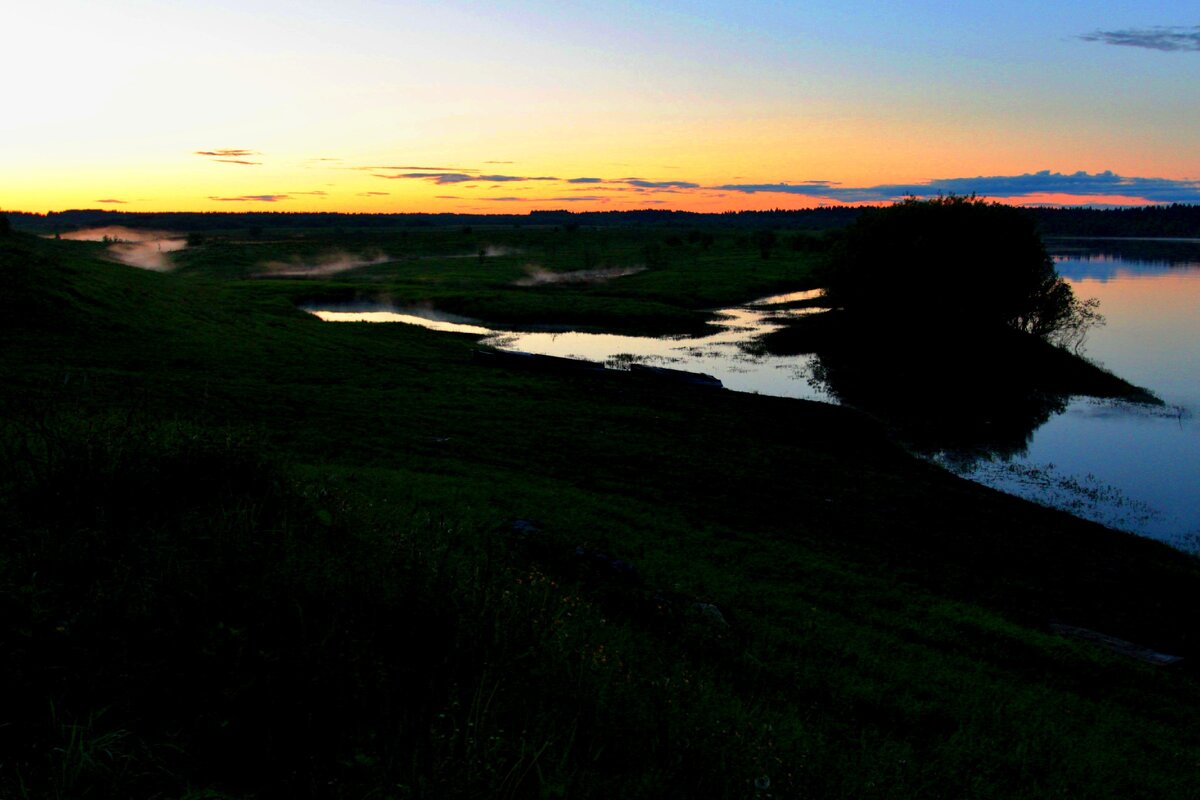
<point>537,276</point>
<point>327,264</point>
<point>138,248</point>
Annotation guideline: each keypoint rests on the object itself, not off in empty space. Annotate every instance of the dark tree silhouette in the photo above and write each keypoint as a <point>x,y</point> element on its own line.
<point>952,265</point>
<point>765,241</point>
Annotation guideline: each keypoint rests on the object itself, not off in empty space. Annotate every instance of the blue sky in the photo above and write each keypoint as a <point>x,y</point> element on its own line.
<point>116,99</point>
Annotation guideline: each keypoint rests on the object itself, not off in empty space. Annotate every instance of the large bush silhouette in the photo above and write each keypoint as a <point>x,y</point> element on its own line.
<point>952,266</point>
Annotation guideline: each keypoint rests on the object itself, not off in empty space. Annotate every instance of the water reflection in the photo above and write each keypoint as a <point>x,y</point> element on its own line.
<point>423,317</point>
<point>965,406</point>
<point>1121,464</point>
<point>1125,465</point>
<point>721,353</point>
<point>1107,259</point>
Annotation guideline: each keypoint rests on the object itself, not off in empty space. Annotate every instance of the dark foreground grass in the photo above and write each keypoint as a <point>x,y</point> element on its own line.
<point>247,554</point>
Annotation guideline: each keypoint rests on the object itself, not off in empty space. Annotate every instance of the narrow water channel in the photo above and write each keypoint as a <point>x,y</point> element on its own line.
<point>1129,466</point>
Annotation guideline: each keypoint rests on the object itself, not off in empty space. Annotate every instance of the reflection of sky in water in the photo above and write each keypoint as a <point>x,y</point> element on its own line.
<point>1124,465</point>
<point>719,354</point>
<point>407,316</point>
<point>1107,267</point>
<point>1152,330</point>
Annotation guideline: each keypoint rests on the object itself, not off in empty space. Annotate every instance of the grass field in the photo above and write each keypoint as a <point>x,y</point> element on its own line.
<point>250,554</point>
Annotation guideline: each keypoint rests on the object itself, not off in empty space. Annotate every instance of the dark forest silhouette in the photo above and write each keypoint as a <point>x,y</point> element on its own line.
<point>1173,220</point>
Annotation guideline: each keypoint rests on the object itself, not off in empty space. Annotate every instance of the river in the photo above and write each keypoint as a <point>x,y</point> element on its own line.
<point>1129,466</point>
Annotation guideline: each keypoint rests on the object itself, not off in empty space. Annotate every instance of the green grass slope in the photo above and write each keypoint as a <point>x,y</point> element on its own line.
<point>249,554</point>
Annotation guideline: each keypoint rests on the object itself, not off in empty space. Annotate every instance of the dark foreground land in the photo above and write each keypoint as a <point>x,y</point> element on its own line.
<point>249,554</point>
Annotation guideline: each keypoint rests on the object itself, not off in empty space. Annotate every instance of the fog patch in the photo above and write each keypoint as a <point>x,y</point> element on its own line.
<point>327,264</point>
<point>537,276</point>
<point>137,248</point>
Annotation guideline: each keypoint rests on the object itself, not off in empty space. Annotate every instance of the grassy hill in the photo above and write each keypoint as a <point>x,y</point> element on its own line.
<point>249,554</point>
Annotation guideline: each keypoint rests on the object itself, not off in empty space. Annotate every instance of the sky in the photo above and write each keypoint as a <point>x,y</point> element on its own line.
<point>505,107</point>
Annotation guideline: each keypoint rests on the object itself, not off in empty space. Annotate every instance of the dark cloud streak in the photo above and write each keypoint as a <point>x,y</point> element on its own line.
<point>641,184</point>
<point>445,178</point>
<point>230,153</point>
<point>1166,39</point>
<point>253,198</point>
<point>420,169</point>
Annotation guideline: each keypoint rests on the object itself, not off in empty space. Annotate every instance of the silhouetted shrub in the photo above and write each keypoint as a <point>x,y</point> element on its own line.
<point>952,265</point>
<point>765,241</point>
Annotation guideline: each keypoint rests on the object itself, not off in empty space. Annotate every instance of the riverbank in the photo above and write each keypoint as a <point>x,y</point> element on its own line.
<point>256,554</point>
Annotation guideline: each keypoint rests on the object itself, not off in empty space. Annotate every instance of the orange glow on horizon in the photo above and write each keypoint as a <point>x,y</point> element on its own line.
<point>698,202</point>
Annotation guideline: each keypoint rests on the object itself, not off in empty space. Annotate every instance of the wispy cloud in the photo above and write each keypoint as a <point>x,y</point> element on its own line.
<point>421,169</point>
<point>112,200</point>
<point>641,184</point>
<point>1079,184</point>
<point>234,155</point>
<point>316,193</point>
<point>440,178</point>
<point>499,162</point>
<point>253,198</point>
<point>569,199</point>
<point>1165,38</point>
<point>585,180</point>
<point>618,189</point>
<point>514,178</point>
<point>444,178</point>
<point>374,194</point>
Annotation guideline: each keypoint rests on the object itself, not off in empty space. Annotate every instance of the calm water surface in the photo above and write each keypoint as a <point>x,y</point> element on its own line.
<point>1129,466</point>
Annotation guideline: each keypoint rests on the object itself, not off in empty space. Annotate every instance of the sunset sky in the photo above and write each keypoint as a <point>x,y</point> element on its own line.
<point>367,105</point>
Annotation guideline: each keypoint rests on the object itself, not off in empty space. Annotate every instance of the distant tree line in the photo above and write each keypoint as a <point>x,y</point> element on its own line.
<point>1168,221</point>
<point>64,221</point>
<point>1176,220</point>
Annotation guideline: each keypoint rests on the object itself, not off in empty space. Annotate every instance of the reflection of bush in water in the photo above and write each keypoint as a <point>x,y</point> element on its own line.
<point>982,393</point>
<point>933,407</point>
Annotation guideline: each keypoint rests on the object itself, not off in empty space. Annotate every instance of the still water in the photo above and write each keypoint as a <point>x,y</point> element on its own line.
<point>1129,466</point>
